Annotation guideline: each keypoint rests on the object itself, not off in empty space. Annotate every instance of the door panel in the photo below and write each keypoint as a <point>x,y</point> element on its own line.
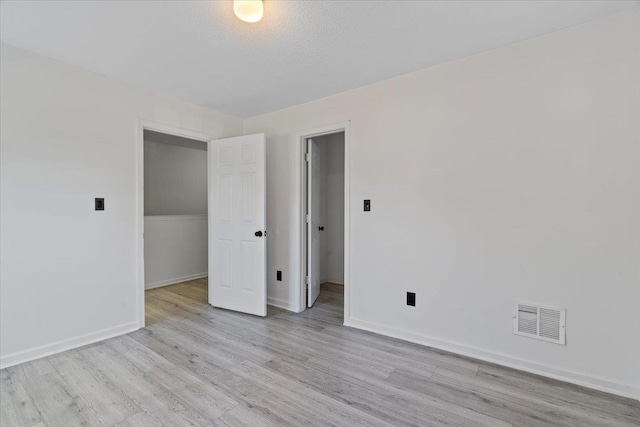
<point>313,226</point>
<point>237,211</point>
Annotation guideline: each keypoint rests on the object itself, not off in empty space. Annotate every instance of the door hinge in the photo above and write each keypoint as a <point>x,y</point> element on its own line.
<point>308,218</point>
<point>307,157</point>
<point>306,280</point>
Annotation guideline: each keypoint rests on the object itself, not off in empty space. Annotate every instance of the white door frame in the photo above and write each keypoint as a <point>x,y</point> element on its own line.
<point>300,193</point>
<point>143,125</point>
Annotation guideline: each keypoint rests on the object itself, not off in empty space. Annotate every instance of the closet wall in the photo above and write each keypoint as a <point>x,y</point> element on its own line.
<point>175,180</point>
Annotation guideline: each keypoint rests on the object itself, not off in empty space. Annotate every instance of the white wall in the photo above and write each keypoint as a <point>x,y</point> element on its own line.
<point>176,249</point>
<point>68,273</point>
<point>175,180</point>
<point>175,204</point>
<point>509,175</point>
<point>332,208</point>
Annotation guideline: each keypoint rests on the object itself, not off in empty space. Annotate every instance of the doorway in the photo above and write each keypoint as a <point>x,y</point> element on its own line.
<point>175,191</point>
<point>325,213</point>
<point>324,182</point>
<point>235,218</point>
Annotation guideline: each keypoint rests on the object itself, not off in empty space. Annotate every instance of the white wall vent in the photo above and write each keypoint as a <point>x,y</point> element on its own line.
<point>543,323</point>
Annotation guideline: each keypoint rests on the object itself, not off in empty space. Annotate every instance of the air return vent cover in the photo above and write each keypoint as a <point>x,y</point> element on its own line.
<point>543,323</point>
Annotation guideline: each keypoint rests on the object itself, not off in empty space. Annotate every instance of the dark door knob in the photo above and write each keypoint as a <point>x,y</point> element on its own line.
<point>258,233</point>
<point>321,228</point>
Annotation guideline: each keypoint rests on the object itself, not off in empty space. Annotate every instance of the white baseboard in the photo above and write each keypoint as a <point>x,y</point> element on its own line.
<point>280,303</point>
<point>175,280</point>
<point>334,281</point>
<point>64,345</point>
<point>582,379</point>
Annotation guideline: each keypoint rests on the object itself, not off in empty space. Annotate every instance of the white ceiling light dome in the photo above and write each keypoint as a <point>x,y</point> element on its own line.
<point>248,10</point>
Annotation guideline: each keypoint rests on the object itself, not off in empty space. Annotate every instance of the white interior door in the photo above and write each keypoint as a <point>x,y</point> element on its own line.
<point>237,220</point>
<point>313,225</point>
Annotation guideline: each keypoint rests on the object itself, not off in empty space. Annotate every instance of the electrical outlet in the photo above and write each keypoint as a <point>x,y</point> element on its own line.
<point>99,204</point>
<point>279,276</point>
<point>367,205</point>
<point>411,299</point>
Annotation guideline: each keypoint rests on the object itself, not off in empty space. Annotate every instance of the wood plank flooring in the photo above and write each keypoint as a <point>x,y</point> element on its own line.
<point>196,365</point>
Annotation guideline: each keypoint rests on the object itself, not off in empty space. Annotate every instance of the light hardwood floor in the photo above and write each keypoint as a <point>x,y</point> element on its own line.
<point>196,365</point>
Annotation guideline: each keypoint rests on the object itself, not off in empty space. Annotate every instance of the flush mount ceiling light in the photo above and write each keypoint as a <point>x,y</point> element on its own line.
<point>248,10</point>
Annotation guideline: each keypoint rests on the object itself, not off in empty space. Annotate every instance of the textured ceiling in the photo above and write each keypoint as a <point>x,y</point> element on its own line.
<point>300,51</point>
